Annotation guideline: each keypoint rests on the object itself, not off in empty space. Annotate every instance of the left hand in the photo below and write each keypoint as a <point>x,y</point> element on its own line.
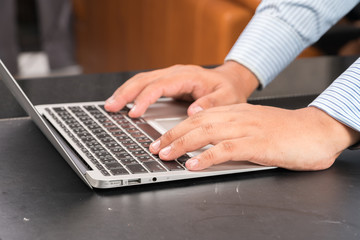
<point>303,139</point>
<point>226,84</point>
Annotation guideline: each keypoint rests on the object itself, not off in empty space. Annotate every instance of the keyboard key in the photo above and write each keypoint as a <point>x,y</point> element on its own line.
<point>139,153</point>
<point>59,109</point>
<point>147,128</point>
<point>97,131</point>
<point>143,139</point>
<point>132,130</point>
<point>128,161</point>
<point>102,154</point>
<point>83,133</point>
<point>136,168</point>
<point>146,144</point>
<point>183,159</point>
<point>91,108</point>
<point>109,160</point>
<point>117,117</point>
<point>113,165</point>
<point>125,140</point>
<point>102,135</point>
<point>104,172</point>
<point>154,166</point>
<point>172,165</point>
<point>137,120</point>
<point>109,125</point>
<point>122,155</point>
<point>107,140</point>
<point>112,145</point>
<point>145,158</point>
<point>92,125</point>
<point>113,129</point>
<point>102,169</point>
<point>134,148</point>
<point>104,120</point>
<point>100,116</point>
<point>119,171</point>
<point>128,142</point>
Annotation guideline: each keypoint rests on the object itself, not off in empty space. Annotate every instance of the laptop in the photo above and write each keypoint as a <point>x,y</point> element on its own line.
<point>109,150</point>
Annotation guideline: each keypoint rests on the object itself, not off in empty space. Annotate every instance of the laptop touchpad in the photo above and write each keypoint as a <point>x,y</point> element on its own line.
<point>165,124</point>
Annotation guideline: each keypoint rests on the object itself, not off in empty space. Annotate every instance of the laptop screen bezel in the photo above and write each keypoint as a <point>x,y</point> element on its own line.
<point>65,151</point>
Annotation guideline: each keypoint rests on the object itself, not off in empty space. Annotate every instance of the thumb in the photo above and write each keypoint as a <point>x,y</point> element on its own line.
<point>213,99</point>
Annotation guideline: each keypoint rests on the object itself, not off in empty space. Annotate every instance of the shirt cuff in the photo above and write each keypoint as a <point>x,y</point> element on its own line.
<point>341,100</point>
<point>262,47</point>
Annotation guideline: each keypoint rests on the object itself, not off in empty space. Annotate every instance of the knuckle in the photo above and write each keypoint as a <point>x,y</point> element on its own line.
<point>209,156</point>
<point>247,106</point>
<point>150,92</point>
<point>177,66</point>
<point>195,68</point>
<point>169,135</point>
<point>212,102</point>
<point>141,75</point>
<point>227,146</point>
<point>181,141</point>
<point>235,98</point>
<point>196,119</point>
<point>208,129</point>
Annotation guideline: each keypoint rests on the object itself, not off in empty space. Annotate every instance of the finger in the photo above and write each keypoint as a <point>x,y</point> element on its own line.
<point>242,110</point>
<point>204,121</point>
<point>184,127</point>
<point>217,98</point>
<point>148,96</point>
<point>165,86</point>
<point>126,93</point>
<point>211,133</point>
<point>243,149</point>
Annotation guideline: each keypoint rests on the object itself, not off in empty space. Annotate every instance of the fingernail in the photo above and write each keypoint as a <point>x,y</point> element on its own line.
<point>133,109</point>
<point>165,151</point>
<point>192,163</point>
<point>155,145</point>
<point>110,100</point>
<point>197,109</point>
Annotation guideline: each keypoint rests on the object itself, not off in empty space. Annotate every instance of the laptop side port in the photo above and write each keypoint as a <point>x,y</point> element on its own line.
<point>134,181</point>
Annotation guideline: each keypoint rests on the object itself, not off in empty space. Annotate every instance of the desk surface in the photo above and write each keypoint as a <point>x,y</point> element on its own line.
<point>42,198</point>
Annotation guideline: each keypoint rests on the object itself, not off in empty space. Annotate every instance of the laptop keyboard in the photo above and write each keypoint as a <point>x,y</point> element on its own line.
<point>113,142</point>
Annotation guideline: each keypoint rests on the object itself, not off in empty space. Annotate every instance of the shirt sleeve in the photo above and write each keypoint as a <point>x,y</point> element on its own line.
<point>280,30</point>
<point>341,99</point>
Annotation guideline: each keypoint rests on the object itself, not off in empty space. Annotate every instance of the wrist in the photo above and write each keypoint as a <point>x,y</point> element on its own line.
<point>241,76</point>
<point>341,135</point>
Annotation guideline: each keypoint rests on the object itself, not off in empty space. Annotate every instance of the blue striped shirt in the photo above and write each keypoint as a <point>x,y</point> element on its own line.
<point>280,30</point>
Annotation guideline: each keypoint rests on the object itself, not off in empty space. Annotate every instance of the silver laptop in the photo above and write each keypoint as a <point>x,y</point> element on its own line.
<point>110,150</point>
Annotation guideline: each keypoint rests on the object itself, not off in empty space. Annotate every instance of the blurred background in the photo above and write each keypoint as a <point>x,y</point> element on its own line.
<point>64,37</point>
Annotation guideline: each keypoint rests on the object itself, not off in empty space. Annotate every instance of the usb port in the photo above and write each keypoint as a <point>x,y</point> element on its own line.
<point>134,181</point>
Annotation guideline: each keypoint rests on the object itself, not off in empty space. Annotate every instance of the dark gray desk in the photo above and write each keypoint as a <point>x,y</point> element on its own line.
<point>42,198</point>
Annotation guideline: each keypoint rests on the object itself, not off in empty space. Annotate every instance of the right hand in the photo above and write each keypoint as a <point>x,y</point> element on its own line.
<point>227,84</point>
<point>301,139</point>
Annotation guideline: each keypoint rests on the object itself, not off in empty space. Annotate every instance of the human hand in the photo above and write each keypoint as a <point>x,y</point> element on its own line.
<point>227,84</point>
<point>304,139</point>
